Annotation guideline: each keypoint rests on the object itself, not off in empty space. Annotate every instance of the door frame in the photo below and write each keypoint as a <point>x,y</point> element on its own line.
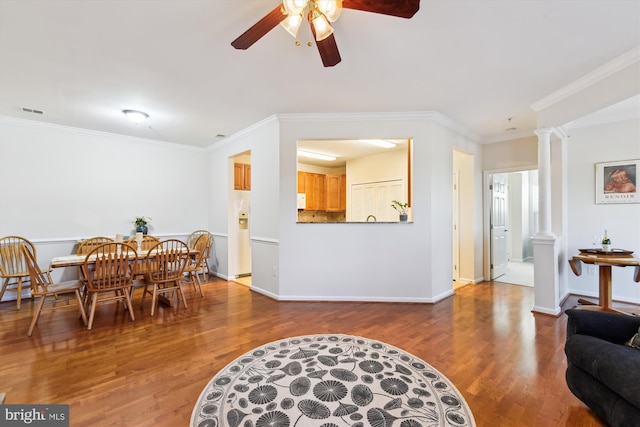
<point>487,204</point>
<point>233,233</point>
<point>456,225</point>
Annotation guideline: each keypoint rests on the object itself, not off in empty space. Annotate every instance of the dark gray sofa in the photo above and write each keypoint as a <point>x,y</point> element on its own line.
<point>601,371</point>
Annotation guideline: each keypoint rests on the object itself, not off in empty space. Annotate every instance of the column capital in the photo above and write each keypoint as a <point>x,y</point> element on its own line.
<point>543,131</point>
<point>561,132</point>
<point>544,238</point>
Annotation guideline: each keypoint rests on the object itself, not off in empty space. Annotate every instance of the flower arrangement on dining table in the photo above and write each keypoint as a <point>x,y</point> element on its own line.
<point>141,221</point>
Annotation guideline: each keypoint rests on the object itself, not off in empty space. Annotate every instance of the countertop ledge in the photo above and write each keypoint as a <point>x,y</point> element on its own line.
<point>354,222</point>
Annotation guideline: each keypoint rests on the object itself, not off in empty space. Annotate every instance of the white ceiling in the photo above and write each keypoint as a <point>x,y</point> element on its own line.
<point>478,62</point>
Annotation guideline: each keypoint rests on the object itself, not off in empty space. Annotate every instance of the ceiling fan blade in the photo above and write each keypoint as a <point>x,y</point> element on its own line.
<point>327,47</point>
<point>400,8</point>
<point>260,28</point>
<point>329,51</point>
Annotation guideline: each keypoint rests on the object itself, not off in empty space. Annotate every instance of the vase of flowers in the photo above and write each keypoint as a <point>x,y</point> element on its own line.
<point>141,223</point>
<point>402,208</point>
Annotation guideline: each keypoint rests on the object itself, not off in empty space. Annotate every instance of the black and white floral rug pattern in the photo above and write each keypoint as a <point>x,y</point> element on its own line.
<point>330,381</point>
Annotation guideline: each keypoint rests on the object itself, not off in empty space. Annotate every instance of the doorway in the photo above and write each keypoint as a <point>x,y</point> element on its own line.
<point>240,220</point>
<point>512,225</point>
<point>464,218</point>
<point>456,228</point>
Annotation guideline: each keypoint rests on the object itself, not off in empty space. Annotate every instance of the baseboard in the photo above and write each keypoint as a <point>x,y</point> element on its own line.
<point>316,298</point>
<point>222,276</point>
<point>542,310</point>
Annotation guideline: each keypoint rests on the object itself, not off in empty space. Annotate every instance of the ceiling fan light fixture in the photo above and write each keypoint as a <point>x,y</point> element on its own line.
<point>135,116</point>
<point>294,7</point>
<point>321,26</point>
<point>292,24</point>
<point>331,9</point>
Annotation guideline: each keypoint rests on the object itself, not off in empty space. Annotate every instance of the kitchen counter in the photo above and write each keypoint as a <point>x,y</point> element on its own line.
<point>355,222</point>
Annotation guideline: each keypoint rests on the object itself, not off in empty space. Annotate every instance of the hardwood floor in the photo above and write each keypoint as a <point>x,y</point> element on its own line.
<point>507,362</point>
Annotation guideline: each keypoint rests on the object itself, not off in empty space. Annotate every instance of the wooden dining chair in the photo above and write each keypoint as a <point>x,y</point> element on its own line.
<point>48,292</point>
<point>165,262</point>
<point>148,241</point>
<point>196,265</point>
<point>109,270</point>
<point>191,241</point>
<point>13,267</point>
<point>86,246</point>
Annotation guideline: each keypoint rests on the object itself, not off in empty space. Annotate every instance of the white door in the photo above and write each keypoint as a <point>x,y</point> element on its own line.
<point>373,200</point>
<point>498,225</point>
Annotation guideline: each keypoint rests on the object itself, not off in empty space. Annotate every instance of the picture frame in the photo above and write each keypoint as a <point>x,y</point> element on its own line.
<point>617,182</point>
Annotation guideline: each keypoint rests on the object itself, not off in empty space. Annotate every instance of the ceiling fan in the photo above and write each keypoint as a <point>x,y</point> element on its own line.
<point>319,14</point>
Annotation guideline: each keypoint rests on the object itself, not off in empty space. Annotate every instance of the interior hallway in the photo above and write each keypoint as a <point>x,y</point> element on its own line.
<point>518,273</point>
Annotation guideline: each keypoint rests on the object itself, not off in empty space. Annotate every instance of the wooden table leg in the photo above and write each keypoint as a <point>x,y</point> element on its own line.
<point>605,287</point>
<point>164,300</point>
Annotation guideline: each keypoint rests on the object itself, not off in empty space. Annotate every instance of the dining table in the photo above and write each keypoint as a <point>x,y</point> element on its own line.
<point>77,260</point>
<point>605,260</point>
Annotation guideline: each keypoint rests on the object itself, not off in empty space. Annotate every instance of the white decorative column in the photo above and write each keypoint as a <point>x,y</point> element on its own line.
<point>545,248</point>
<point>544,182</point>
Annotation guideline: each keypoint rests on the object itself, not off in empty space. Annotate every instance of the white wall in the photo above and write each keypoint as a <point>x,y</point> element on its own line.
<point>61,184</point>
<point>587,146</point>
<point>515,154</point>
<point>262,140</point>
<point>371,262</point>
<point>58,182</point>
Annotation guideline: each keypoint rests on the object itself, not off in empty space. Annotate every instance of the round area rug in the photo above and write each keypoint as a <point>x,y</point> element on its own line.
<point>330,381</point>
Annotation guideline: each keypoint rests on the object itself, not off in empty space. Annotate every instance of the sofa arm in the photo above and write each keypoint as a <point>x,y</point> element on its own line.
<point>613,327</point>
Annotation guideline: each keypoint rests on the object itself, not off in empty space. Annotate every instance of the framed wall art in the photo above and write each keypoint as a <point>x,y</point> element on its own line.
<point>617,182</point>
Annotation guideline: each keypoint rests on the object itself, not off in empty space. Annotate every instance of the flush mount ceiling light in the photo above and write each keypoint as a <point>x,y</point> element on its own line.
<point>319,14</point>
<point>135,116</point>
<point>315,155</point>
<point>383,143</point>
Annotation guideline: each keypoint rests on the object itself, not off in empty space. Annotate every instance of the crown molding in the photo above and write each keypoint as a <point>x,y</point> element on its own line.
<point>254,128</point>
<point>509,137</point>
<point>351,117</point>
<point>386,116</point>
<point>33,124</point>
<point>590,79</point>
<point>455,126</point>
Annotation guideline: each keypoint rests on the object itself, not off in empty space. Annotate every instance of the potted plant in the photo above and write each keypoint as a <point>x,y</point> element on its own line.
<point>141,223</point>
<point>402,209</point>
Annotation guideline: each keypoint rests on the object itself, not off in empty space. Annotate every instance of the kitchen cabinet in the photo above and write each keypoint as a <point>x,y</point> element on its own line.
<point>241,176</point>
<point>336,193</point>
<point>323,192</point>
<point>314,187</point>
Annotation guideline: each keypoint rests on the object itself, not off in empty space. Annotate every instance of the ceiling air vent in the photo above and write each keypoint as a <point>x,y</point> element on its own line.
<point>32,110</point>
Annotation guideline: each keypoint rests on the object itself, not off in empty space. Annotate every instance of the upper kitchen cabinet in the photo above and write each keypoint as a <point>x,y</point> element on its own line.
<point>336,194</point>
<point>323,192</point>
<point>241,176</point>
<point>313,185</point>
